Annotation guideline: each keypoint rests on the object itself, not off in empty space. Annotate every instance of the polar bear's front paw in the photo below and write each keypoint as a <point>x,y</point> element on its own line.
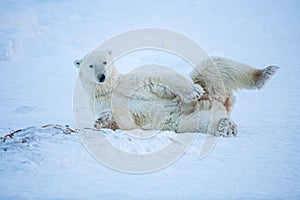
<point>266,74</point>
<point>104,121</point>
<point>226,128</point>
<point>196,94</point>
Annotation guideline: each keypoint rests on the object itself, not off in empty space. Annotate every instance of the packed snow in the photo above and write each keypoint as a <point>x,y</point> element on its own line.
<point>39,40</point>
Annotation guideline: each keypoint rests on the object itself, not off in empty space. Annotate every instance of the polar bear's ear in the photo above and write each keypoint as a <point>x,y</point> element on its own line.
<point>109,52</point>
<point>77,63</point>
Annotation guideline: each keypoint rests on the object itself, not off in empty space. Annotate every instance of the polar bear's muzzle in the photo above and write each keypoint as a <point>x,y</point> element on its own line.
<point>101,78</point>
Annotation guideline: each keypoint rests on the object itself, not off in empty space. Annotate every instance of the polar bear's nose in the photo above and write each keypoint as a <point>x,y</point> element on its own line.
<point>101,78</point>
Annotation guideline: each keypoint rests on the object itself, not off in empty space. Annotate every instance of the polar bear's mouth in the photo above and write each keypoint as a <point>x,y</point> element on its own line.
<point>101,78</point>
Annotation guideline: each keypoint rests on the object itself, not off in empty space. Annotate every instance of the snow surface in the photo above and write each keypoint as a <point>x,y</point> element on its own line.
<point>39,41</point>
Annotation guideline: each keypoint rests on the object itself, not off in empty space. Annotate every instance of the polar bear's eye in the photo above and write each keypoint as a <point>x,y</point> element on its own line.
<point>104,62</point>
<point>91,66</point>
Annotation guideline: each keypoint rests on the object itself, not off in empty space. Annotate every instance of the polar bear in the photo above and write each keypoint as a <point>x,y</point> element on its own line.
<point>156,97</point>
<point>100,79</point>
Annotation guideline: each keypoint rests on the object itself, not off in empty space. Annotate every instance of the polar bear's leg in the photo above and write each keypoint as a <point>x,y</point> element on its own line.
<point>195,122</point>
<point>166,83</point>
<point>219,75</point>
<point>214,121</point>
<point>163,82</point>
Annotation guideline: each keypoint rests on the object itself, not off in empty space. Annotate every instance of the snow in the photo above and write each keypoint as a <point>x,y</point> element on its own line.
<point>39,41</point>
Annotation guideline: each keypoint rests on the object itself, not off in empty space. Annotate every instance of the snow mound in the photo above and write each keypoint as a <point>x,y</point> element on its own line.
<point>27,146</point>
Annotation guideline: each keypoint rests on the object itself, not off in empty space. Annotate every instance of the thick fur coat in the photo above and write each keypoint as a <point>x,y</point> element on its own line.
<point>157,97</point>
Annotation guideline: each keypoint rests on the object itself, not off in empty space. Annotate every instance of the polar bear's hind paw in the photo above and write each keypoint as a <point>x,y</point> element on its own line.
<point>266,75</point>
<point>226,128</point>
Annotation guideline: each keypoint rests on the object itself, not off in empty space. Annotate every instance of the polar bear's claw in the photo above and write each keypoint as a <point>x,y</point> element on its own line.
<point>226,128</point>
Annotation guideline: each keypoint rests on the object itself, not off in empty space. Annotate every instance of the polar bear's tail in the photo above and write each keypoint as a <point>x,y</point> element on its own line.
<point>221,76</point>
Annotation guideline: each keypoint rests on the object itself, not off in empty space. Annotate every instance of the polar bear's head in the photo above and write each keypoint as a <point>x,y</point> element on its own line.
<point>95,66</point>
